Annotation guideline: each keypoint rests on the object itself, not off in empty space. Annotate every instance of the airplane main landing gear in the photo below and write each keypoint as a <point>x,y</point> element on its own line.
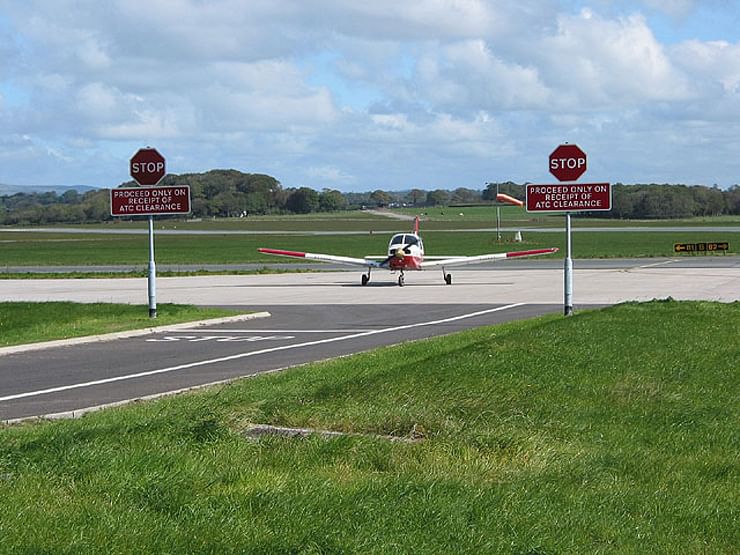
<point>365,278</point>
<point>448,279</point>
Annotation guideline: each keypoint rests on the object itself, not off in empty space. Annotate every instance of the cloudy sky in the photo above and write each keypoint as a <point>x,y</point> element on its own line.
<point>357,95</point>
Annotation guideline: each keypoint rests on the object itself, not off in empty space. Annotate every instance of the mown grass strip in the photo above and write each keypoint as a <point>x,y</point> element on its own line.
<point>143,273</point>
<point>612,431</point>
<point>30,322</point>
<point>101,250</point>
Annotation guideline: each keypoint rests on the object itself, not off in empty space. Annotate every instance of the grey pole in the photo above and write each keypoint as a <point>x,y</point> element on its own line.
<point>568,303</point>
<point>152,278</point>
<point>498,217</point>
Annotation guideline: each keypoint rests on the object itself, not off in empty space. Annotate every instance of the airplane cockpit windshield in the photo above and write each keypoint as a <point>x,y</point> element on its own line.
<point>402,239</point>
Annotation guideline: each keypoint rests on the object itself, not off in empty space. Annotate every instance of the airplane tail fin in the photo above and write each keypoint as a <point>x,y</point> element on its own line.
<point>416,225</point>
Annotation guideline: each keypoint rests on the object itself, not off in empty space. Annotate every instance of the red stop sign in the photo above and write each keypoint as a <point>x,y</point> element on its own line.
<point>567,162</point>
<point>147,166</point>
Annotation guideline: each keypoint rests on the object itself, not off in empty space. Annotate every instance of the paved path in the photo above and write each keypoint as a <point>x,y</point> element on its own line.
<point>69,380</point>
<point>315,316</point>
<point>625,281</point>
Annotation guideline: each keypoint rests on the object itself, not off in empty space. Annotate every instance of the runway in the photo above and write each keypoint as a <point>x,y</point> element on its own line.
<point>605,282</point>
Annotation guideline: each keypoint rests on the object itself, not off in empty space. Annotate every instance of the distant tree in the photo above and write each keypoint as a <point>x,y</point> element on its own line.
<point>732,198</point>
<point>227,204</point>
<point>463,195</point>
<point>416,196</point>
<point>709,201</point>
<point>96,205</point>
<point>70,196</point>
<point>331,200</point>
<point>200,207</point>
<point>380,198</point>
<point>438,197</point>
<point>303,200</point>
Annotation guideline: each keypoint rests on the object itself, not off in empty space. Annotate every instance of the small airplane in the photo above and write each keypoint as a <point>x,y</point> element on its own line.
<point>406,252</point>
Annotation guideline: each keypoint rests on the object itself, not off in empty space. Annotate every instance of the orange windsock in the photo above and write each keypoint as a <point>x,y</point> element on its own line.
<point>501,197</point>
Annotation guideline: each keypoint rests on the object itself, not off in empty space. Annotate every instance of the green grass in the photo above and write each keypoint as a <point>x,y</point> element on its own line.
<point>511,215</point>
<point>612,431</point>
<point>265,270</point>
<point>56,249</point>
<point>444,230</point>
<point>26,322</point>
<point>625,244</point>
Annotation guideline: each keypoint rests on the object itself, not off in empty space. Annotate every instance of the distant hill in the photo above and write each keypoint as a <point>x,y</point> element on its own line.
<point>59,189</point>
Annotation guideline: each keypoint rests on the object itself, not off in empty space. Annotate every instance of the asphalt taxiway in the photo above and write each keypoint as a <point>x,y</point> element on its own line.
<point>314,316</point>
<point>69,380</point>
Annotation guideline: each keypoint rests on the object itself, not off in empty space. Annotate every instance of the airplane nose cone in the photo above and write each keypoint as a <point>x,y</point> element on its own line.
<point>399,253</point>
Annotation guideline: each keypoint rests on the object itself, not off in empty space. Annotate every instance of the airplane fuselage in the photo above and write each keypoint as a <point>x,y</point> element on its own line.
<point>405,252</point>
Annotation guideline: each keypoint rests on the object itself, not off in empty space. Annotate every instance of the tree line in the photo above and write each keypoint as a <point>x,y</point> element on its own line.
<point>231,193</point>
<point>652,201</point>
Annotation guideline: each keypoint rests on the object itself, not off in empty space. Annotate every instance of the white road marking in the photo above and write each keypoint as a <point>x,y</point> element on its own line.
<point>653,265</point>
<point>219,338</point>
<point>253,353</point>
<point>201,330</point>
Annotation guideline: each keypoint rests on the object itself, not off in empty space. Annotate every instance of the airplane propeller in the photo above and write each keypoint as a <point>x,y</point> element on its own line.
<point>398,253</point>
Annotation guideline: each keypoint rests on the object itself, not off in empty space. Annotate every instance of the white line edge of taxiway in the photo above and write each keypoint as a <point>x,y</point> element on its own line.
<point>252,353</point>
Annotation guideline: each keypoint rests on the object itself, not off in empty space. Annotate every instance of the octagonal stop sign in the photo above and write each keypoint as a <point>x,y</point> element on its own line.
<point>147,166</point>
<point>567,162</point>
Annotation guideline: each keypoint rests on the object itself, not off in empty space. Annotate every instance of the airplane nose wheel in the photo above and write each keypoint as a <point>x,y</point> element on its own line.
<point>401,280</point>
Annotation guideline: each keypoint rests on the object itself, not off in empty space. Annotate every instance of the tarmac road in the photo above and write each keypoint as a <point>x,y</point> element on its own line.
<point>594,282</point>
<point>314,317</point>
<point>698,261</point>
<point>68,380</point>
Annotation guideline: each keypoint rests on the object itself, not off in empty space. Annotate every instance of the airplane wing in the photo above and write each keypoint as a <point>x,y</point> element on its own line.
<point>463,260</point>
<point>348,261</point>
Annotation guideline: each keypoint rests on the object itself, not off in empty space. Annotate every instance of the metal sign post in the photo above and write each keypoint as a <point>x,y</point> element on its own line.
<point>498,218</point>
<point>568,163</point>
<point>152,273</point>
<point>568,281</point>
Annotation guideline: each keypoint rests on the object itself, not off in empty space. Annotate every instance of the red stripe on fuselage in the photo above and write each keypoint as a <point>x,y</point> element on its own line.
<point>530,253</point>
<point>283,253</point>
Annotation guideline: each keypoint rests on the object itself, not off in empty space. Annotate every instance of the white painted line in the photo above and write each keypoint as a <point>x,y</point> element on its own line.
<point>253,353</point>
<point>653,265</point>
<point>224,330</point>
<point>663,263</point>
<point>219,338</point>
<point>128,334</point>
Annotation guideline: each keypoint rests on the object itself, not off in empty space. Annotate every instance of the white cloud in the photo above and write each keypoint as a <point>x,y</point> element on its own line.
<point>361,94</point>
<point>329,175</point>
<point>600,62</point>
<point>714,63</point>
<point>97,100</point>
<point>468,76</point>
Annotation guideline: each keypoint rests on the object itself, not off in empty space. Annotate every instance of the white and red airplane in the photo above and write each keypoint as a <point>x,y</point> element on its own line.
<point>406,252</point>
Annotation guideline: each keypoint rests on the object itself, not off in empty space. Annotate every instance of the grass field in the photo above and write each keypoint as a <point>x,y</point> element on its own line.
<point>432,218</point>
<point>59,249</point>
<point>613,431</point>
<point>22,322</point>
